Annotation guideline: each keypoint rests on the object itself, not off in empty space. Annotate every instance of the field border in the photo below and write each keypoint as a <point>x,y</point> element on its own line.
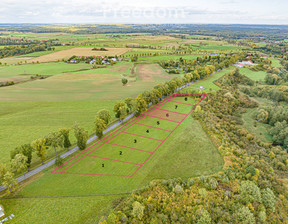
<point>126,126</point>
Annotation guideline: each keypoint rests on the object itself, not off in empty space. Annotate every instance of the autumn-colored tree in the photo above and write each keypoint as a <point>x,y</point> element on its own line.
<point>100,126</point>
<point>40,148</point>
<point>55,139</point>
<point>81,135</point>
<point>120,110</point>
<point>104,115</point>
<point>19,163</point>
<point>65,133</point>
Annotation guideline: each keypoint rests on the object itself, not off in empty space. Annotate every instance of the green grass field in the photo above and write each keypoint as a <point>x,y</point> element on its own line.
<point>155,59</point>
<point>275,62</point>
<point>189,130</point>
<point>255,76</point>
<point>23,72</point>
<point>59,210</point>
<point>34,109</point>
<point>261,130</point>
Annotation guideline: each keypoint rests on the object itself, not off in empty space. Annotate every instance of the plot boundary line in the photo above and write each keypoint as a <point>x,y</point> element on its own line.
<point>169,134</point>
<point>142,136</point>
<point>146,114</point>
<point>123,146</point>
<point>181,103</point>
<point>162,118</point>
<point>143,115</point>
<point>171,111</point>
<point>116,160</point>
<point>97,174</point>
<point>152,127</point>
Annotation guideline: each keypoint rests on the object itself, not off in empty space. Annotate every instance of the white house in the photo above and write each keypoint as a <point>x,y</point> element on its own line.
<point>1,211</point>
<point>243,63</point>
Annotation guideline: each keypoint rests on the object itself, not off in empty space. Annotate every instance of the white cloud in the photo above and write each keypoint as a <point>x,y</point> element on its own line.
<point>148,11</point>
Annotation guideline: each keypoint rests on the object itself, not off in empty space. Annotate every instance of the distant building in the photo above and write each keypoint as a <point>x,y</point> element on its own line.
<point>1,212</point>
<point>244,63</point>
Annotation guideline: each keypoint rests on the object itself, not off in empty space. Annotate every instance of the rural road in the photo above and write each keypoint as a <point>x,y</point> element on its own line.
<point>75,149</point>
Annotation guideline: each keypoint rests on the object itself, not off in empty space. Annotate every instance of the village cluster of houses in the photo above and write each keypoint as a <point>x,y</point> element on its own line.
<point>106,61</point>
<point>244,63</point>
<point>93,60</point>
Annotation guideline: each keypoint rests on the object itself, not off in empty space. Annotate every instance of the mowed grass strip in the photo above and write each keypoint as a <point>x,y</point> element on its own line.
<point>93,165</point>
<point>158,123</point>
<point>177,107</point>
<point>148,132</point>
<point>137,142</point>
<point>170,116</point>
<point>121,153</point>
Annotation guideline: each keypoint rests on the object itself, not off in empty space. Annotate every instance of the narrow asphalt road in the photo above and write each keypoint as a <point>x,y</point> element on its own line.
<point>75,149</point>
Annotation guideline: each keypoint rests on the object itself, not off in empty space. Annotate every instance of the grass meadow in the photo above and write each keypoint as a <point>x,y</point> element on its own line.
<point>255,76</point>
<point>275,62</point>
<point>23,72</point>
<point>32,110</point>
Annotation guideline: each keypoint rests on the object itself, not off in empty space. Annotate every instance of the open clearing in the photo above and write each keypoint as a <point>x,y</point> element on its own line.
<point>78,51</point>
<point>255,76</point>
<point>261,130</point>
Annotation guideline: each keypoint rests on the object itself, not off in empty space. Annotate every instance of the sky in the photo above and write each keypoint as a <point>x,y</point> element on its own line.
<point>145,11</point>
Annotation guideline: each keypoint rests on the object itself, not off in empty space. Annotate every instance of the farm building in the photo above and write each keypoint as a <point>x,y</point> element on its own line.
<point>244,63</point>
<point>1,211</point>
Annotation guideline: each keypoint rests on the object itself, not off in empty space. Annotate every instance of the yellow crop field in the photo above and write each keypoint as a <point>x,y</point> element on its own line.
<point>78,51</point>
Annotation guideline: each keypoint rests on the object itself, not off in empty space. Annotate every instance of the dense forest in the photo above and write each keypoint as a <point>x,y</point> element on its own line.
<point>23,49</point>
<point>247,32</point>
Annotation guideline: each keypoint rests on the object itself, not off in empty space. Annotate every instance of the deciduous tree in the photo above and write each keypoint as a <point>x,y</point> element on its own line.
<point>19,163</point>
<point>66,141</point>
<point>100,126</point>
<point>104,115</point>
<point>81,135</point>
<point>40,148</point>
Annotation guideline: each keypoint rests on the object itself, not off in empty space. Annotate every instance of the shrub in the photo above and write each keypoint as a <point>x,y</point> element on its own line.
<point>262,216</point>
<point>138,210</point>
<point>269,199</point>
<point>203,192</point>
<point>251,169</point>
<point>245,216</point>
<point>59,161</point>
<point>249,192</point>
<point>190,182</point>
<point>211,183</point>
<point>205,217</point>
<point>178,189</point>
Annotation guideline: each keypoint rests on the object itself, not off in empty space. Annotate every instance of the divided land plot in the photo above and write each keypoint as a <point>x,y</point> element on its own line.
<point>186,153</point>
<point>125,151</point>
